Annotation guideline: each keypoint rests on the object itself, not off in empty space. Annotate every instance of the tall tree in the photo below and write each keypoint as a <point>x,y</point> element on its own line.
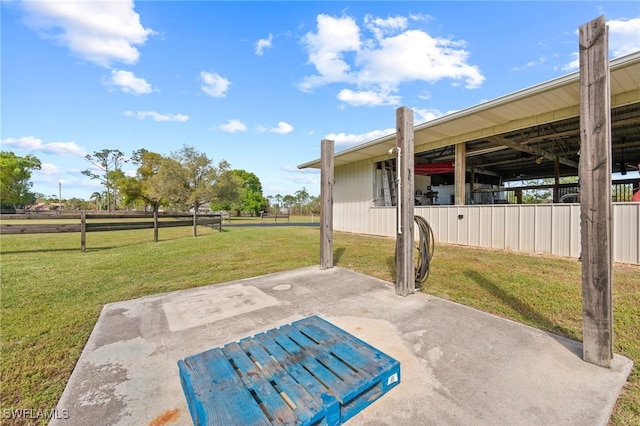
<point>277,200</point>
<point>193,177</point>
<point>106,161</point>
<point>15,175</point>
<point>168,185</point>
<point>97,199</point>
<point>227,189</point>
<point>141,187</point>
<point>302,199</point>
<point>198,176</point>
<point>251,199</point>
<point>288,202</point>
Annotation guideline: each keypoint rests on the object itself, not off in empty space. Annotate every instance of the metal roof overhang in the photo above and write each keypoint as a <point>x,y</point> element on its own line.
<point>548,102</point>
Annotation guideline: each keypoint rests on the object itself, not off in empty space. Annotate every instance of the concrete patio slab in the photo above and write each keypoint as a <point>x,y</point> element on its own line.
<point>459,366</point>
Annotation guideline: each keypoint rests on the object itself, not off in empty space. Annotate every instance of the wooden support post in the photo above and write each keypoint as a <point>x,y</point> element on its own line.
<point>460,173</point>
<point>595,194</point>
<point>326,205</point>
<point>405,273</point>
<point>83,230</point>
<point>472,178</point>
<point>556,181</point>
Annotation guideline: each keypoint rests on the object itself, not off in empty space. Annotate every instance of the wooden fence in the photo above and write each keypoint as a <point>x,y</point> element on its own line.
<point>120,222</point>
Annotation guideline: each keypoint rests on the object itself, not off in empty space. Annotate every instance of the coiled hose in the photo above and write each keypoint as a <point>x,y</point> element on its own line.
<point>425,248</point>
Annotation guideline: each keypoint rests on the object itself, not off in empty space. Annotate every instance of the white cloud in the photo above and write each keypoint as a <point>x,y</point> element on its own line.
<point>127,82</point>
<point>624,36</point>
<point>574,64</point>
<point>101,32</point>
<point>393,54</point>
<point>335,37</point>
<point>294,169</point>
<point>304,179</point>
<point>49,169</point>
<point>141,115</point>
<point>345,139</point>
<point>381,27</point>
<point>263,44</point>
<point>367,98</point>
<point>30,143</point>
<point>214,84</point>
<point>422,115</point>
<point>283,128</point>
<point>233,126</point>
<point>416,56</point>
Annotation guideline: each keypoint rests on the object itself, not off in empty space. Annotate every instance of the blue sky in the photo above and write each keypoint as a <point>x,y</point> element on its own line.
<point>260,84</point>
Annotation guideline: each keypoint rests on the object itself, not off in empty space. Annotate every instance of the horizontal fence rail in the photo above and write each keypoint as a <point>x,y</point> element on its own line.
<point>118,222</point>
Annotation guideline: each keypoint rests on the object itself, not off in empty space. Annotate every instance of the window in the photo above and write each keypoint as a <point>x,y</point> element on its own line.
<point>384,183</point>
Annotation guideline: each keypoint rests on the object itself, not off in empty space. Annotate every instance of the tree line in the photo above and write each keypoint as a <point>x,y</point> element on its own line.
<point>186,180</point>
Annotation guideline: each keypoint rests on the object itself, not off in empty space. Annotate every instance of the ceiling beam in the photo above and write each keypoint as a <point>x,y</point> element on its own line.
<point>483,171</point>
<point>531,150</point>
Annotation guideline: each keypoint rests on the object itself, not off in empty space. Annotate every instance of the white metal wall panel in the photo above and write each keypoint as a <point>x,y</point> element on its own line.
<point>463,219</point>
<point>511,229</point>
<point>544,228</point>
<point>576,248</point>
<point>353,196</point>
<point>626,231</point>
<point>540,228</point>
<point>527,230</point>
<point>498,226</point>
<point>473,215</point>
<point>561,230</point>
<point>485,227</point>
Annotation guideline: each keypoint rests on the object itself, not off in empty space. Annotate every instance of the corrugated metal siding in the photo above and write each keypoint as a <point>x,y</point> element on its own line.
<point>535,228</point>
<point>353,197</point>
<point>626,229</point>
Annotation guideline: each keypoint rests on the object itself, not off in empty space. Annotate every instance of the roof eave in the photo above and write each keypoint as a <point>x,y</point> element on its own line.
<point>515,96</point>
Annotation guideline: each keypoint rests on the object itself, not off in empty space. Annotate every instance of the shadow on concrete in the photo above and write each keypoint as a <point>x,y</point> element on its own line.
<point>535,318</point>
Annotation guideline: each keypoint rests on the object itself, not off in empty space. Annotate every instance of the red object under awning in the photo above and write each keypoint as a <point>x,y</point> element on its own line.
<point>434,168</point>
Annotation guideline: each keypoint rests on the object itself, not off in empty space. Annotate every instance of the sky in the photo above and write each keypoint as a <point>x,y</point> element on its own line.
<point>260,84</point>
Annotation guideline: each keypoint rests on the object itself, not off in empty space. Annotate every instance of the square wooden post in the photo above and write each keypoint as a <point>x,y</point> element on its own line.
<point>405,273</point>
<point>595,194</point>
<point>83,230</point>
<point>460,174</point>
<point>326,204</point>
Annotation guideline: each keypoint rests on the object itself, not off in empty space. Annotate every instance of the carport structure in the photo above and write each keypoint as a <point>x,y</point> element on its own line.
<point>530,134</point>
<point>534,133</point>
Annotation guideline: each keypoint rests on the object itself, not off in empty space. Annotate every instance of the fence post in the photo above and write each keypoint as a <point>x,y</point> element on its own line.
<point>195,219</point>
<point>155,226</point>
<point>83,231</point>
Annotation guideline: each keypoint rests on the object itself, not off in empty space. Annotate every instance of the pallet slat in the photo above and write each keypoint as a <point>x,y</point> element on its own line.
<point>304,377</point>
<point>213,368</point>
<point>306,373</point>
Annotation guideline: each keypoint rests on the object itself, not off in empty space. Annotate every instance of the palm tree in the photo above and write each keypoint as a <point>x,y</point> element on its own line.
<point>97,197</point>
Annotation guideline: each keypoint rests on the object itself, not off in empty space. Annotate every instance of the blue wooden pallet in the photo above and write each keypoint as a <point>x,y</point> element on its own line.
<point>309,372</point>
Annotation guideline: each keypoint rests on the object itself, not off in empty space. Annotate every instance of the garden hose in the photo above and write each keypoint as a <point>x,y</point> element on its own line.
<point>425,247</point>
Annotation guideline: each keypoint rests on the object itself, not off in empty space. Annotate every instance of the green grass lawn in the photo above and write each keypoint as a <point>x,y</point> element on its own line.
<point>51,293</point>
